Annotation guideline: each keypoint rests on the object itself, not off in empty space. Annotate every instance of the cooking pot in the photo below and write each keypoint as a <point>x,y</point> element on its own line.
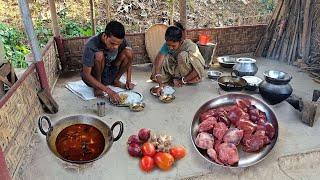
<point>245,67</point>
<point>54,130</point>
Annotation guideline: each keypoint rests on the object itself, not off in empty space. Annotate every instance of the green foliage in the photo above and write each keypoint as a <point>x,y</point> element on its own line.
<point>71,28</point>
<point>14,45</point>
<point>270,5</point>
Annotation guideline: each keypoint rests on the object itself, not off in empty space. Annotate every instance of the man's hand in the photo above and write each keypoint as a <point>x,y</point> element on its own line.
<point>114,97</point>
<point>177,83</point>
<point>129,85</point>
<point>158,90</point>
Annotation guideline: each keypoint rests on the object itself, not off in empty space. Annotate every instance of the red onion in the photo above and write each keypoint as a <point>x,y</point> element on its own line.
<point>134,139</point>
<point>144,134</point>
<point>134,150</point>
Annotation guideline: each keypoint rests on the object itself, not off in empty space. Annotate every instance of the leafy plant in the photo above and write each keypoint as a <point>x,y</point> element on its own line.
<point>13,45</point>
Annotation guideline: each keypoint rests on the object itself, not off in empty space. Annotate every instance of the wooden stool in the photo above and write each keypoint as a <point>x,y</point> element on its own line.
<point>7,77</point>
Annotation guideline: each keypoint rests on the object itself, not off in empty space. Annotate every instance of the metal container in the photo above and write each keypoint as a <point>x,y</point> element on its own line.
<point>246,159</point>
<point>227,61</point>
<point>137,106</point>
<point>214,74</point>
<point>245,67</point>
<point>54,130</point>
<point>275,88</point>
<point>167,98</point>
<point>253,82</point>
<point>101,109</point>
<point>231,83</point>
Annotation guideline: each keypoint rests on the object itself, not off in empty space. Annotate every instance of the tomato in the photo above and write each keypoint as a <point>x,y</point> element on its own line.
<point>147,163</point>
<point>178,152</point>
<point>148,149</point>
<point>163,160</point>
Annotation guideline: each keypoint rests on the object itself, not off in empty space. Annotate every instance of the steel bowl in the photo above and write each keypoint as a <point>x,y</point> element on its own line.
<point>167,98</point>
<point>227,61</point>
<point>246,159</point>
<point>277,77</point>
<point>137,106</point>
<point>214,74</point>
<point>253,82</point>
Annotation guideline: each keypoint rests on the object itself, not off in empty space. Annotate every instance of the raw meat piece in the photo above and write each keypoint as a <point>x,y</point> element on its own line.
<point>207,125</point>
<point>233,135</point>
<point>225,108</point>
<point>217,143</point>
<point>219,130</point>
<point>210,119</point>
<point>270,131</point>
<point>222,117</point>
<point>268,128</point>
<point>247,126</point>
<point>243,104</point>
<point>204,116</point>
<point>204,140</point>
<point>213,112</point>
<point>235,114</point>
<point>255,142</point>
<point>213,155</point>
<point>228,153</point>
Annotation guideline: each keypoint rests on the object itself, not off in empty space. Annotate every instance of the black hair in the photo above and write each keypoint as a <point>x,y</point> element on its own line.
<point>179,25</point>
<point>116,29</point>
<point>174,34</point>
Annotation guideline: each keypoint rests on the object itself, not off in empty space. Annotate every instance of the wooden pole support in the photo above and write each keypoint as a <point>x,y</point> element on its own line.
<point>27,21</point>
<point>54,19</point>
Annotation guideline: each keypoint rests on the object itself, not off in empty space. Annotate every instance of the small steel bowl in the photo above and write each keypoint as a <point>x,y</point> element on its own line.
<point>137,106</point>
<point>227,61</point>
<point>167,98</point>
<point>214,74</point>
<point>253,82</point>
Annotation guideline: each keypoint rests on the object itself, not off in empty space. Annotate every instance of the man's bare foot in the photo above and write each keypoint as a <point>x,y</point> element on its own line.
<point>195,80</point>
<point>119,84</point>
<point>98,93</point>
<point>177,83</point>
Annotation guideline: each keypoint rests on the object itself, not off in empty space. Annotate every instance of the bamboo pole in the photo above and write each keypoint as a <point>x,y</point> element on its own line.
<point>171,2</point>
<point>28,26</point>
<point>305,30</point>
<point>53,12</point>
<point>108,13</point>
<point>93,23</point>
<point>183,13</point>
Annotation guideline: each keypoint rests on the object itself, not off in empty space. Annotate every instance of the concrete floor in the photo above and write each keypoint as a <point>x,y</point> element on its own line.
<point>175,119</point>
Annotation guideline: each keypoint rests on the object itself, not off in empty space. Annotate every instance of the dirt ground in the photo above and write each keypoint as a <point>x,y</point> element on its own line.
<point>295,156</point>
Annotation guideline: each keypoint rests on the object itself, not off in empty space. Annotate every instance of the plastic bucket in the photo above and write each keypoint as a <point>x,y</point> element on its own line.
<point>203,39</point>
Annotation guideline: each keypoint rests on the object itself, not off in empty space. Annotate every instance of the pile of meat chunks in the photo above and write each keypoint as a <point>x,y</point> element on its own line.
<point>222,129</point>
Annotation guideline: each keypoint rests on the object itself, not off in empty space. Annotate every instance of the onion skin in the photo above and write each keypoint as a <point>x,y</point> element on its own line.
<point>144,134</point>
<point>134,150</point>
<point>134,139</point>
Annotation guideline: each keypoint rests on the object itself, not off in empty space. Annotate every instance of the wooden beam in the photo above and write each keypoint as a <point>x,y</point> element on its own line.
<point>93,23</point>
<point>305,34</point>
<point>54,19</point>
<point>183,13</point>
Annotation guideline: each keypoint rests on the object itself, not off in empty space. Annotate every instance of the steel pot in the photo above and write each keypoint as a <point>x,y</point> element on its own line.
<point>54,130</point>
<point>245,67</point>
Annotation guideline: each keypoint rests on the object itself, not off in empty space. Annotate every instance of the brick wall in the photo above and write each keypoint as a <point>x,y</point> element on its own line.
<point>230,40</point>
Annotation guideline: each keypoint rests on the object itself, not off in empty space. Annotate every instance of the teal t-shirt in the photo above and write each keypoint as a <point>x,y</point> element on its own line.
<point>165,50</point>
